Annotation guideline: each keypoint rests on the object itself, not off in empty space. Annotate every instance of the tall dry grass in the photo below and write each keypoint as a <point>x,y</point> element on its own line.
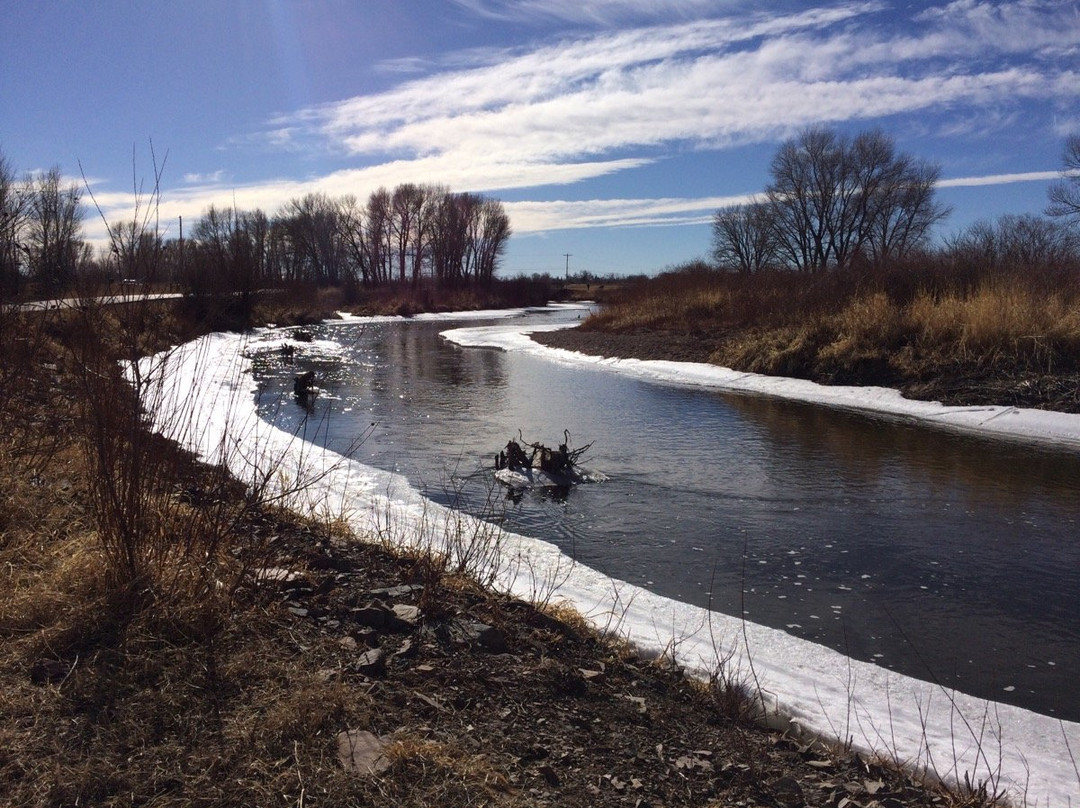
<point>896,326</point>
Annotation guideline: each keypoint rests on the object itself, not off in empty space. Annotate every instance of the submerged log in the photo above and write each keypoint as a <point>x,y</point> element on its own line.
<point>304,384</point>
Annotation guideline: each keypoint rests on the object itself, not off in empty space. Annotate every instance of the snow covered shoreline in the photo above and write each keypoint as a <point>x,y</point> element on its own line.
<point>204,397</point>
<point>1003,422</point>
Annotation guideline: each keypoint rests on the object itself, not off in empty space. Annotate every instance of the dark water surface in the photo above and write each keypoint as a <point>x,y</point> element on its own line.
<point>948,558</point>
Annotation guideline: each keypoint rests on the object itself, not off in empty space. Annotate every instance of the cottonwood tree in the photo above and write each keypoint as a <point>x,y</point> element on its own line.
<point>210,250</point>
<point>136,250</point>
<point>743,238</point>
<point>407,229</point>
<point>470,233</point>
<point>1065,194</point>
<point>230,250</point>
<point>313,222</point>
<point>404,236</point>
<point>905,211</point>
<point>55,225</point>
<point>14,198</point>
<point>490,237</point>
<point>379,237</point>
<point>833,198</point>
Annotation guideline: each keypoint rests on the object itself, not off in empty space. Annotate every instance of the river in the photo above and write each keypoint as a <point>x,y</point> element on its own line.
<point>949,558</point>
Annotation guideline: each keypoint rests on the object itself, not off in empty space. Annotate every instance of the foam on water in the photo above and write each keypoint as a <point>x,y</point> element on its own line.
<point>202,394</point>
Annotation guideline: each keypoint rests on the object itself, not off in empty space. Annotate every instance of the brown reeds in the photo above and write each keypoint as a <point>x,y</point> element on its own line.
<point>921,327</point>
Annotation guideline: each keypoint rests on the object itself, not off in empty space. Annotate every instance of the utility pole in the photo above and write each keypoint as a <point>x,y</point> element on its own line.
<point>179,274</point>
<point>568,266</point>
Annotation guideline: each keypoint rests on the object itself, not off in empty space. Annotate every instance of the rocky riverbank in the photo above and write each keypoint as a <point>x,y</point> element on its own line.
<point>305,665</point>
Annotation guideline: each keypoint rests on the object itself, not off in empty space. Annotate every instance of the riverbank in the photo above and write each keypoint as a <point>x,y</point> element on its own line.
<point>259,683</point>
<point>958,335</point>
<point>955,385</point>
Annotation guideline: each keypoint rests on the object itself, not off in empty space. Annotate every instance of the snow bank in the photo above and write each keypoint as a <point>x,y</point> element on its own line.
<point>203,395</point>
<point>1061,429</point>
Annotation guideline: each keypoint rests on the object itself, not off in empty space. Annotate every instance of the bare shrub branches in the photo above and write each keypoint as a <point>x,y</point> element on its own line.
<point>1065,194</point>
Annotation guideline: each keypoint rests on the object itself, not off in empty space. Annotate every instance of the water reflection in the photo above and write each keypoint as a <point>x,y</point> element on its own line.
<point>871,451</point>
<point>942,556</point>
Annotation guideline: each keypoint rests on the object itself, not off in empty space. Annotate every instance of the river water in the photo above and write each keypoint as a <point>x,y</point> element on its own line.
<point>948,558</point>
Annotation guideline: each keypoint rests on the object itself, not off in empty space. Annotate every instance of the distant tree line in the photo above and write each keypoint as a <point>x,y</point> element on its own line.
<point>411,235</point>
<point>835,202</point>
<point>40,230</point>
<point>414,234</point>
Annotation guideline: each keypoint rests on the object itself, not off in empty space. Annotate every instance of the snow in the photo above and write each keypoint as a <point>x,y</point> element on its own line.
<point>1040,426</point>
<point>202,394</point>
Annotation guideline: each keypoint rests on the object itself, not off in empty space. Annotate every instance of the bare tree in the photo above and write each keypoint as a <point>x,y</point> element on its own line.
<point>356,265</point>
<point>406,211</point>
<point>744,238</point>
<point>398,236</point>
<point>313,224</point>
<point>833,198</point>
<point>802,197</point>
<point>905,213</point>
<point>229,251</point>
<point>378,236</point>
<point>1065,194</point>
<point>432,196</point>
<point>54,229</point>
<point>493,233</point>
<point>256,228</point>
<point>14,198</point>
<point>136,250</point>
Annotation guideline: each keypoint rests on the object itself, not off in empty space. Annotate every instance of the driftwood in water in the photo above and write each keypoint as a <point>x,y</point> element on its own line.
<point>561,461</point>
<point>304,384</point>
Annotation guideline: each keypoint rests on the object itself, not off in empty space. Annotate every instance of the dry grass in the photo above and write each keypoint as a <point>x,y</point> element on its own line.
<point>908,327</point>
<point>433,772</point>
<point>1001,318</point>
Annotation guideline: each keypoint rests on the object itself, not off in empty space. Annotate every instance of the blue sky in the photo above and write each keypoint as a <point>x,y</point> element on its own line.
<point>611,129</point>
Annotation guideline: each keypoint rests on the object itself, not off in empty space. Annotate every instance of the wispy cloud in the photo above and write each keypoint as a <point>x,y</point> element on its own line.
<point>211,178</point>
<point>999,179</point>
<point>580,107</point>
<point>541,217</point>
<point>527,217</point>
<point>704,83</point>
<point>596,12</point>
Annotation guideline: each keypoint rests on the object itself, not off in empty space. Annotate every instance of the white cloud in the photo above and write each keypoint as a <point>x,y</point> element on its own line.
<point>1066,125</point>
<point>527,217</point>
<point>192,201</point>
<point>582,107</point>
<point>999,179</point>
<point>596,12</point>
<point>204,179</point>
<point>541,217</point>
<point>706,83</point>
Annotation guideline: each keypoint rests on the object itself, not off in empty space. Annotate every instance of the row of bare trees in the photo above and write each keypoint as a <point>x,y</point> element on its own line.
<point>412,234</point>
<point>40,229</point>
<point>835,201</point>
